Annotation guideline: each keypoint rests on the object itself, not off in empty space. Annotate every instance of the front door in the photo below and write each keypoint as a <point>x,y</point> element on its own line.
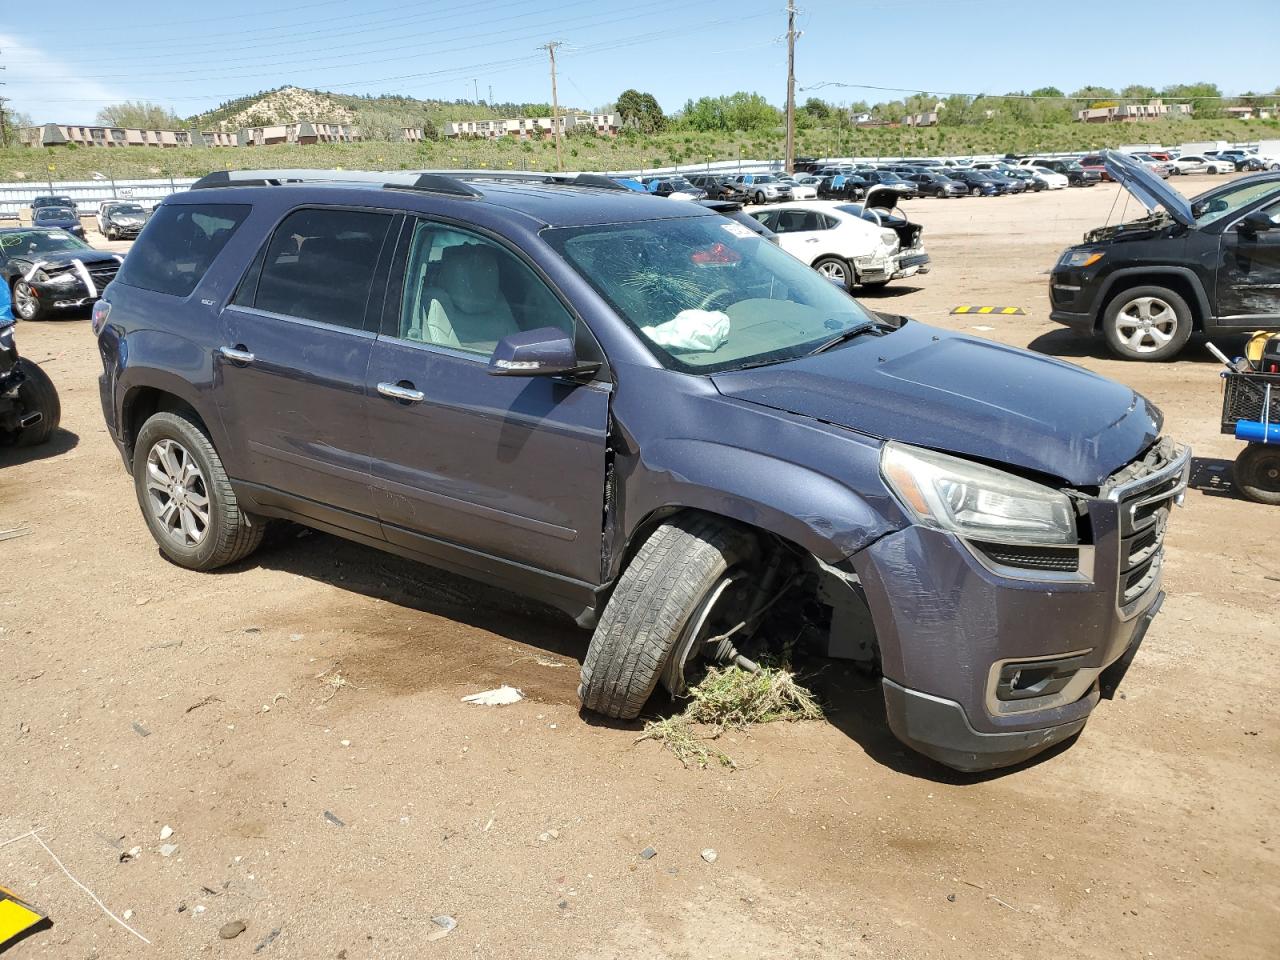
<point>1248,285</point>
<point>295,356</point>
<point>502,467</point>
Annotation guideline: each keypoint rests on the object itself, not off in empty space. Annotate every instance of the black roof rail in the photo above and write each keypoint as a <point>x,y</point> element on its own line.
<point>451,182</point>
<point>597,180</point>
<point>408,179</point>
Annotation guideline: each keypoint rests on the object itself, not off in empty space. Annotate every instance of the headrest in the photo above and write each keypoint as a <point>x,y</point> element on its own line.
<point>469,275</point>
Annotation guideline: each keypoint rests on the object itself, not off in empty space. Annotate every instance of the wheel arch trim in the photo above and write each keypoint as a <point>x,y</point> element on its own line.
<point>1201,314</point>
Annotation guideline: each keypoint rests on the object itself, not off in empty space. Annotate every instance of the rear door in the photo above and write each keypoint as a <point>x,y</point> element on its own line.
<point>506,467</point>
<point>293,364</point>
<point>803,233</point>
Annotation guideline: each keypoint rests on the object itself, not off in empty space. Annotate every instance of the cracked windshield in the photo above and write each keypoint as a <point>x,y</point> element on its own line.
<point>709,295</point>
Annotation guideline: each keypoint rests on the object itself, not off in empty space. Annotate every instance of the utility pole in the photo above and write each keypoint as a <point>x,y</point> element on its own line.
<point>790,160</point>
<point>476,82</point>
<point>555,103</point>
<point>4,124</point>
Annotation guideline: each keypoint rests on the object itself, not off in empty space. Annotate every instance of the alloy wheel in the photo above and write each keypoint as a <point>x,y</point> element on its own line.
<point>834,270</point>
<point>1146,324</point>
<point>25,303</point>
<point>177,493</point>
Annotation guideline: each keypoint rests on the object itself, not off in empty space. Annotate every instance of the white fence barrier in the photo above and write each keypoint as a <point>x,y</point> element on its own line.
<point>87,194</point>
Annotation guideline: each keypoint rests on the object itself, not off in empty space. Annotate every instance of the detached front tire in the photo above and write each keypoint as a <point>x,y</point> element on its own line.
<point>663,600</point>
<point>37,394</point>
<point>1147,323</point>
<point>186,497</point>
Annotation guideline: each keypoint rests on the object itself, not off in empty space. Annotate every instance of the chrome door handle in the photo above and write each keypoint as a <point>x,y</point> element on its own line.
<point>396,392</point>
<point>236,355</point>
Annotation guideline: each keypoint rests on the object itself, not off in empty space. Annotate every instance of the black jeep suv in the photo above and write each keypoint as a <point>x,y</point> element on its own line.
<point>1211,263</point>
<point>650,417</point>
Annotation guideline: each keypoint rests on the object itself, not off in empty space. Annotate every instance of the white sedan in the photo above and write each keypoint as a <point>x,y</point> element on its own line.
<point>805,188</point>
<point>846,244</point>
<point>1194,163</point>
<point>1051,178</point>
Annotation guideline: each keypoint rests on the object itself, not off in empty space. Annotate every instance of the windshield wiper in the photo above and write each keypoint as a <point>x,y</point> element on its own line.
<point>842,338</point>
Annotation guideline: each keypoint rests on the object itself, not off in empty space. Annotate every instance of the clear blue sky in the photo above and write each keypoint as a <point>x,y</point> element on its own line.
<point>65,67</point>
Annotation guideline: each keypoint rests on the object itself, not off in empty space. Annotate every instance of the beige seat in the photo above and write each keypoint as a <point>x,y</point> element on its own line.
<point>467,308</point>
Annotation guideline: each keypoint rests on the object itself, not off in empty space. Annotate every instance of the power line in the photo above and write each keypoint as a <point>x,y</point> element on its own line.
<point>1014,96</point>
<point>438,77</point>
<point>451,44</point>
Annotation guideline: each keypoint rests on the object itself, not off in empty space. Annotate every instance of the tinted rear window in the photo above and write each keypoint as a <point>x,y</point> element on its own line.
<point>178,245</point>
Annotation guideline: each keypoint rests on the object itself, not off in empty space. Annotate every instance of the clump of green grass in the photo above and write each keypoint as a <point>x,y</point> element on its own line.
<point>730,698</point>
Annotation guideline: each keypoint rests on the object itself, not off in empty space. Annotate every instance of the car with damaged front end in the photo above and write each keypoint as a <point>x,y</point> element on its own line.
<point>49,271</point>
<point>650,417</point>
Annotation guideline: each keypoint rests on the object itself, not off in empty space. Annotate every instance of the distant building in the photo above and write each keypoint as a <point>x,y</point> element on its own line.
<point>1131,112</point>
<point>1251,113</point>
<point>927,119</point>
<point>62,135</point>
<point>525,128</point>
<point>302,132</point>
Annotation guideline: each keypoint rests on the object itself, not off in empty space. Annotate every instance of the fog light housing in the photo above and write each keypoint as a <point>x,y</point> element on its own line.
<point>1030,679</point>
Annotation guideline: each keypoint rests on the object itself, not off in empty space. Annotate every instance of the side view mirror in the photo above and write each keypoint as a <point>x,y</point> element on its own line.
<point>545,352</point>
<point>1256,222</point>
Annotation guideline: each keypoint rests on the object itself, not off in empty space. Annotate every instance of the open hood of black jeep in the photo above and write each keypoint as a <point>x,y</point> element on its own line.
<point>966,396</point>
<point>1154,193</point>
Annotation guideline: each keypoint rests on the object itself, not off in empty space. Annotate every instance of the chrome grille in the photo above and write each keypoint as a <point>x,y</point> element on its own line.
<point>1146,491</point>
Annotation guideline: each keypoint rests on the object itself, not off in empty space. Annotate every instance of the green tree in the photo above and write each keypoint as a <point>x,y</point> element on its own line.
<point>640,111</point>
<point>1205,98</point>
<point>140,114</point>
<point>1047,92</point>
<point>1138,91</point>
<point>817,109</point>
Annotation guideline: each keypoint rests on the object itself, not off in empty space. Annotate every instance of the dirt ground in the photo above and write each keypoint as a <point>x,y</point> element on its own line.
<point>135,695</point>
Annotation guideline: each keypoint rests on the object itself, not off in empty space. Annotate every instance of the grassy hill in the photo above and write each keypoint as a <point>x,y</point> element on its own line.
<point>589,152</point>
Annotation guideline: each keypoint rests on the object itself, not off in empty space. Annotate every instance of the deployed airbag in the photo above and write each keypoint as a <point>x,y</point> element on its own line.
<point>692,330</point>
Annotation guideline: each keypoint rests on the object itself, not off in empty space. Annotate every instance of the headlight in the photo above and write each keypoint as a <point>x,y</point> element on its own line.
<point>63,278</point>
<point>40,277</point>
<point>1080,258</point>
<point>888,238</point>
<point>974,501</point>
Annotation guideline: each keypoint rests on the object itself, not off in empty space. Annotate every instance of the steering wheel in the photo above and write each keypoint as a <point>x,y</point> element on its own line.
<point>712,297</point>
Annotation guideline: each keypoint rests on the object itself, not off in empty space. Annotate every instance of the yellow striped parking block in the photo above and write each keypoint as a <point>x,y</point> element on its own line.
<point>1003,311</point>
<point>18,919</point>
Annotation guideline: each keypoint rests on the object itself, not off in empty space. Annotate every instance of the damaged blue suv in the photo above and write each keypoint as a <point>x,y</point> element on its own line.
<point>648,416</point>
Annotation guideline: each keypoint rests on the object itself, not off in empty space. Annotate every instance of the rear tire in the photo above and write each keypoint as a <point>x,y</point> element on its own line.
<point>1147,323</point>
<point>1257,473</point>
<point>178,477</point>
<point>836,268</point>
<point>666,585</point>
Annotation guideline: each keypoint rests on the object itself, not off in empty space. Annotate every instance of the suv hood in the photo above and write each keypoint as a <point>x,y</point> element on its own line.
<point>966,396</point>
<point>1144,184</point>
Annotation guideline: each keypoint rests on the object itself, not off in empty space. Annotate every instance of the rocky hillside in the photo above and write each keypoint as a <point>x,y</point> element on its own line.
<point>284,105</point>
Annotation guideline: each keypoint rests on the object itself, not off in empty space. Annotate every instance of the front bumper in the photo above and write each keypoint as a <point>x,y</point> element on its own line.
<point>62,296</point>
<point>940,728</point>
<point>1072,292</point>
<point>963,637</point>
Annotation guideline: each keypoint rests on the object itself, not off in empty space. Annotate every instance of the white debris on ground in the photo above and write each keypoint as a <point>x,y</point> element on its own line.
<point>500,697</point>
